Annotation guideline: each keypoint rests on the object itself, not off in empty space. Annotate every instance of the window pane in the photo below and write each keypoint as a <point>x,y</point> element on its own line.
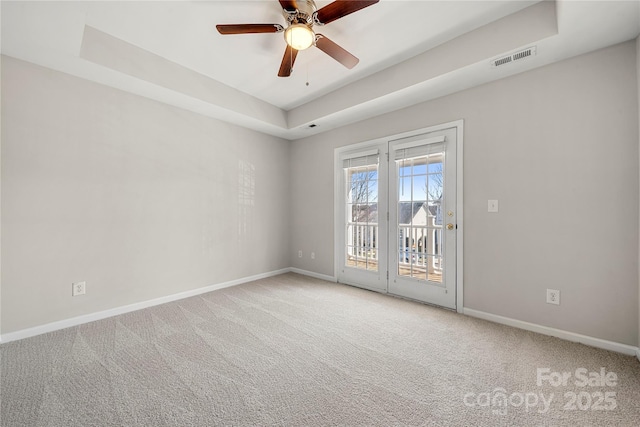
<point>362,213</point>
<point>435,165</point>
<point>372,191</point>
<point>420,166</point>
<point>420,190</point>
<point>420,187</point>
<point>435,186</point>
<point>404,189</point>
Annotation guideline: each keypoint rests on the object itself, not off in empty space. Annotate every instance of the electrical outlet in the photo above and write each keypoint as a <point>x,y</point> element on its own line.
<point>299,254</point>
<point>78,288</point>
<point>313,255</point>
<point>553,296</point>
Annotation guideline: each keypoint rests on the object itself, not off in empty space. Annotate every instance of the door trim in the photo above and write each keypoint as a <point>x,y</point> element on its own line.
<point>339,154</point>
<point>337,198</point>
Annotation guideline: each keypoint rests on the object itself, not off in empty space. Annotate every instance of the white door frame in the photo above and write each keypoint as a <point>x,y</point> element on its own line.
<point>368,279</point>
<point>459,125</point>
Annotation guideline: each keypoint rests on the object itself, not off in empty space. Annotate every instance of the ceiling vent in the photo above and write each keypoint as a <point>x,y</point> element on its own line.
<point>517,56</point>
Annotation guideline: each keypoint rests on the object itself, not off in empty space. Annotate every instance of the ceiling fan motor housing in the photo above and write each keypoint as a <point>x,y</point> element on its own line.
<point>303,14</point>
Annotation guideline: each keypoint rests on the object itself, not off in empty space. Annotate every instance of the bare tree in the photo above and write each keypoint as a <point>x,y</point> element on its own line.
<point>360,186</point>
<point>435,183</point>
<point>363,194</point>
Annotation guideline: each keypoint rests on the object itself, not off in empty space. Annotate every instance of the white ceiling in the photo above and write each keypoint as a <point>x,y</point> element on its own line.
<point>237,75</point>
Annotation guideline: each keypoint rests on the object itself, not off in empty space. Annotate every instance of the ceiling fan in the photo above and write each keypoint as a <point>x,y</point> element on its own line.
<point>301,16</point>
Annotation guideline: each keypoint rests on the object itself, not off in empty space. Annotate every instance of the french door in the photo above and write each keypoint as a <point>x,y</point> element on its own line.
<point>397,216</point>
<point>363,207</point>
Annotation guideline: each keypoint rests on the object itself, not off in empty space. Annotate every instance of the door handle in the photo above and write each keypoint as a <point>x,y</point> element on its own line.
<point>449,226</point>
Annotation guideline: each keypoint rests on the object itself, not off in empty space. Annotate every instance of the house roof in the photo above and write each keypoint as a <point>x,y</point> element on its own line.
<point>366,213</point>
<point>406,211</point>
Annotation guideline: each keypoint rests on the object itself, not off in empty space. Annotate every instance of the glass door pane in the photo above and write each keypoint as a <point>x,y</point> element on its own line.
<point>362,234</point>
<point>419,217</point>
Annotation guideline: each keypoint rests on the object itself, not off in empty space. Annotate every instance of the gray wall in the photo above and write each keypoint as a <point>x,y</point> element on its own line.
<point>139,199</point>
<point>144,200</point>
<point>0,186</point>
<point>638,82</point>
<point>558,147</point>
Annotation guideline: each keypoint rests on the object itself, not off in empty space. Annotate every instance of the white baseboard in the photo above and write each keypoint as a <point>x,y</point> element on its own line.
<point>559,333</point>
<point>313,274</point>
<point>79,320</point>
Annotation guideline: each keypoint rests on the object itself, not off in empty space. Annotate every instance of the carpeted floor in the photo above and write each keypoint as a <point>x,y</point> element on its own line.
<point>296,351</point>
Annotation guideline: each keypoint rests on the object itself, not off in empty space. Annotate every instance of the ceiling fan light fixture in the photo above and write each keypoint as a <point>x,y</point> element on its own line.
<point>301,16</point>
<point>299,36</point>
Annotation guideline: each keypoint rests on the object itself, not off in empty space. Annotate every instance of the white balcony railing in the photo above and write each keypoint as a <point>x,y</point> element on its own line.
<point>419,246</point>
<point>362,240</point>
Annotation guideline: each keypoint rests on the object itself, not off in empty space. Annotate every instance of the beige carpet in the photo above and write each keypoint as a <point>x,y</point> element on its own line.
<point>296,351</point>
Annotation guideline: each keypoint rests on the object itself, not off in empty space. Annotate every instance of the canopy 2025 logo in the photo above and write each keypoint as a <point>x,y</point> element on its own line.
<point>597,400</point>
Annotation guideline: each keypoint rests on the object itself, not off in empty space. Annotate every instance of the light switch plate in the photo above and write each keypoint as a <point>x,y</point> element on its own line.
<point>492,206</point>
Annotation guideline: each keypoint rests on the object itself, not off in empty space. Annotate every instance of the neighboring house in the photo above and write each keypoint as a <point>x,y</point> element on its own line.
<point>418,229</point>
<point>416,213</point>
<point>365,213</point>
<point>418,223</point>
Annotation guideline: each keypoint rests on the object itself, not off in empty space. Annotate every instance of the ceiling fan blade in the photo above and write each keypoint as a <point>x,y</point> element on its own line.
<point>336,52</point>
<point>289,5</point>
<point>249,28</point>
<point>287,62</point>
<point>340,8</point>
